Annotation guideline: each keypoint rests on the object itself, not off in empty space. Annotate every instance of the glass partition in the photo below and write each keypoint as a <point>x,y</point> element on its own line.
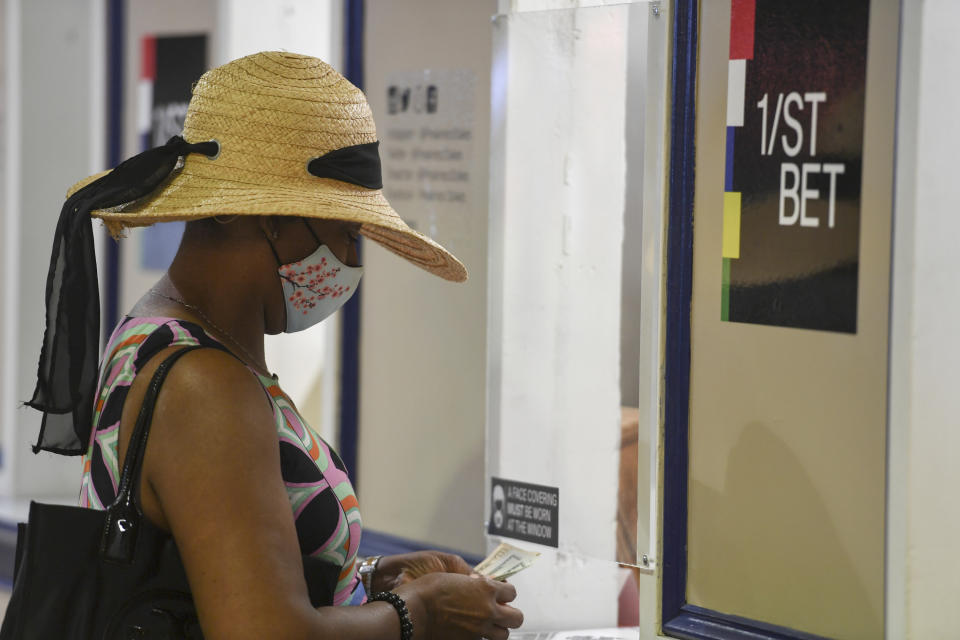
<point>573,342</point>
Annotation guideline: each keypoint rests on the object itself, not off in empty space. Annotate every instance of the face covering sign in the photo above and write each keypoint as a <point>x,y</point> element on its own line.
<point>524,511</point>
<point>791,201</point>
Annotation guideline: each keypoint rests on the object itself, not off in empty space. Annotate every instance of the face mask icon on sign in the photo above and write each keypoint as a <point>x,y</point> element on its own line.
<point>498,501</point>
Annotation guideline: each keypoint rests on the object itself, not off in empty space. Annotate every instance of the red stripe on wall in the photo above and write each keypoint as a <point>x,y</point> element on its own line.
<point>742,18</point>
<point>148,66</point>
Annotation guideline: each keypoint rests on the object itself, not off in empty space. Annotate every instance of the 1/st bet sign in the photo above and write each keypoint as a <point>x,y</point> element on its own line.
<point>796,85</point>
<point>797,180</point>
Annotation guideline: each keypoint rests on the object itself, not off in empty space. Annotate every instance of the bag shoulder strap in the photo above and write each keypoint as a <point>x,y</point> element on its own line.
<point>133,461</point>
<point>123,516</point>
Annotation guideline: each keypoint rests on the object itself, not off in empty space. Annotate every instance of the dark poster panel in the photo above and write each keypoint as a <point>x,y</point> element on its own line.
<point>171,64</point>
<point>180,61</point>
<point>794,155</point>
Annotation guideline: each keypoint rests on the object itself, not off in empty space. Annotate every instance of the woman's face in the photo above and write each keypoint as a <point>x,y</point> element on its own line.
<point>295,242</point>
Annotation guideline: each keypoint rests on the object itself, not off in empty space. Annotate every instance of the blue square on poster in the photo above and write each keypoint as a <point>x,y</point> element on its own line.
<point>160,243</point>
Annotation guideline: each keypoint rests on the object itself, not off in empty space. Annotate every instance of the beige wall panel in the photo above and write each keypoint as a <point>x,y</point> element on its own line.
<point>423,340</point>
<point>787,426</point>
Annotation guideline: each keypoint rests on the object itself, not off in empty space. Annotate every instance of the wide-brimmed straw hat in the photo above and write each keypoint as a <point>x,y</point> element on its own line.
<point>269,134</point>
<point>272,113</point>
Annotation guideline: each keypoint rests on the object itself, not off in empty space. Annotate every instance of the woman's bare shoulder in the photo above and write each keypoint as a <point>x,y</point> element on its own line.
<point>210,394</point>
<point>210,404</point>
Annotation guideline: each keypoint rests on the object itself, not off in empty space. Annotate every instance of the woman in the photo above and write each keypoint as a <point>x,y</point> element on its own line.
<point>279,176</point>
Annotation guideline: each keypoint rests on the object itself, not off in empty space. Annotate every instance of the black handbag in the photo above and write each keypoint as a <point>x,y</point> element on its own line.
<point>86,574</point>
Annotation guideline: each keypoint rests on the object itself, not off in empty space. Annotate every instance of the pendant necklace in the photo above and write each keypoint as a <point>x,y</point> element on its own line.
<point>216,327</point>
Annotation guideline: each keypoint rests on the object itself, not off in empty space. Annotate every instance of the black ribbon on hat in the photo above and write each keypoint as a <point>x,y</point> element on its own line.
<point>67,371</point>
<point>358,164</point>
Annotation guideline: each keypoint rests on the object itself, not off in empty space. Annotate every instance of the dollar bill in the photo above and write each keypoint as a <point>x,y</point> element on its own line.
<point>506,560</point>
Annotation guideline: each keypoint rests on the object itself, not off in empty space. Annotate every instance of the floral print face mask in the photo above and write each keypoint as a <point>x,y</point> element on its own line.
<point>315,287</point>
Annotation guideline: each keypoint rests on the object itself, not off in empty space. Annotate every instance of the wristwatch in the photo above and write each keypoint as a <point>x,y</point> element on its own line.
<point>367,568</point>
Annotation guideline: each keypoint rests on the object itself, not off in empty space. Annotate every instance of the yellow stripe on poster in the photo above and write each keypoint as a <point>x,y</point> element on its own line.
<point>731,224</point>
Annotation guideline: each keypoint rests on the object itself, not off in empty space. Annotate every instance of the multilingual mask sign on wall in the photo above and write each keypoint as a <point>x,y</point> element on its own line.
<point>426,147</point>
<point>524,511</point>
<point>170,65</point>
<point>791,207</point>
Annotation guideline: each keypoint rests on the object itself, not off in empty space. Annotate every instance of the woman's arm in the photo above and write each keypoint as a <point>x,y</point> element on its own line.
<point>212,477</point>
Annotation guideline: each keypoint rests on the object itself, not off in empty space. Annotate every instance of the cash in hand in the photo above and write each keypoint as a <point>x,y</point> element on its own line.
<point>506,560</point>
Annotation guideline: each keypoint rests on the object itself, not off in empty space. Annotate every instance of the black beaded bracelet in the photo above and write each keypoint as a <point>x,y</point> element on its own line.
<point>406,627</point>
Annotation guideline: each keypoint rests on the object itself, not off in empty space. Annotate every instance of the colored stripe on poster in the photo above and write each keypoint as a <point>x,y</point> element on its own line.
<point>725,292</point>
<point>148,64</point>
<point>743,15</point>
<point>728,171</point>
<point>731,225</point>
<point>148,73</point>
<point>736,91</point>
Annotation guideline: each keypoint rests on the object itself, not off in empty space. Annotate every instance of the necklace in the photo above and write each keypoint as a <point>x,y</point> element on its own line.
<point>223,332</point>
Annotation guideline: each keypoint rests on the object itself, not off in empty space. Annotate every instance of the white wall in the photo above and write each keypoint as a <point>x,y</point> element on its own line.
<point>517,6</point>
<point>300,26</point>
<point>53,119</point>
<point>556,233</point>
<point>923,565</point>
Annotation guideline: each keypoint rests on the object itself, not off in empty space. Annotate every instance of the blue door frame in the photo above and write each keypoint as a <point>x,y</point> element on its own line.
<point>350,318</point>
<point>679,619</point>
<point>116,41</point>
<point>683,82</point>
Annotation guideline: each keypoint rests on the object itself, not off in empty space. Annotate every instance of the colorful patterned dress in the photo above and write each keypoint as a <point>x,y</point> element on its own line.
<point>321,496</point>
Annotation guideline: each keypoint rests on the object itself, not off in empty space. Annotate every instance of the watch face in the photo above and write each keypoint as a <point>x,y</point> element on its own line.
<point>369,565</point>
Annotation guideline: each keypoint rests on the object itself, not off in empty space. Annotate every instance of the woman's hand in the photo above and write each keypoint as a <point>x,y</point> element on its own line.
<point>449,606</point>
<point>396,570</point>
